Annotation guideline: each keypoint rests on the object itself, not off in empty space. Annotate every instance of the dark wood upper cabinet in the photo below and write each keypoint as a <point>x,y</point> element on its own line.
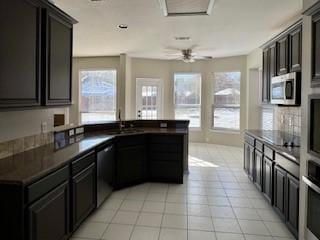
<point>316,50</point>
<point>295,38</point>
<point>48,217</point>
<point>282,55</point>
<point>20,49</point>
<point>265,77</point>
<point>272,61</point>
<point>58,59</point>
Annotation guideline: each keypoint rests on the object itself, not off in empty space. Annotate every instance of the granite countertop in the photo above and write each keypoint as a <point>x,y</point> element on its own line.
<point>268,137</point>
<point>29,166</point>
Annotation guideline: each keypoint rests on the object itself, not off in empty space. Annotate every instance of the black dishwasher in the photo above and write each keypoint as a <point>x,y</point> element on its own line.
<point>105,173</point>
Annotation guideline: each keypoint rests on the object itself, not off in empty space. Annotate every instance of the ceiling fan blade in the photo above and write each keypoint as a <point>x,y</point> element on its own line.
<point>193,46</point>
<point>202,57</point>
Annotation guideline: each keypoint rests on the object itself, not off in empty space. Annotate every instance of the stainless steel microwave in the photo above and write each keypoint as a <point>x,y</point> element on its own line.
<point>286,89</point>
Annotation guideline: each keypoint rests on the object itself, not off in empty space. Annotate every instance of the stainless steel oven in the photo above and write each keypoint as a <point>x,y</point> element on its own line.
<point>313,208</point>
<point>286,89</point>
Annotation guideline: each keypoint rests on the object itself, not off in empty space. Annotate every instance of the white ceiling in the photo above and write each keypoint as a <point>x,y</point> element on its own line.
<point>235,27</point>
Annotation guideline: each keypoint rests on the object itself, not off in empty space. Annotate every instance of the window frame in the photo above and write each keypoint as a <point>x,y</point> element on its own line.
<point>214,106</point>
<point>195,128</point>
<point>80,88</point>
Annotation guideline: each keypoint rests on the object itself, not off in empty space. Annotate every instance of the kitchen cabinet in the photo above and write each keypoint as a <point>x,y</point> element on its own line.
<point>280,176</point>
<point>267,178</point>
<point>316,50</point>
<point>258,168</point>
<point>295,38</point>
<point>165,158</point>
<point>272,62</point>
<point>83,195</point>
<point>130,161</point>
<point>48,217</point>
<point>58,59</point>
<point>282,55</point>
<point>20,79</point>
<point>36,43</point>
<point>292,213</point>
<point>265,77</point>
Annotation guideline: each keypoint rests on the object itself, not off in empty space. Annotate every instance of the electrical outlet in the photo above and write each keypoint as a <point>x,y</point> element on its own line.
<point>71,132</point>
<point>44,127</point>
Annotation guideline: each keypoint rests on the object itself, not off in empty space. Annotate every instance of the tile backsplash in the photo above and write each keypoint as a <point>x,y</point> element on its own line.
<point>288,119</point>
<point>19,145</point>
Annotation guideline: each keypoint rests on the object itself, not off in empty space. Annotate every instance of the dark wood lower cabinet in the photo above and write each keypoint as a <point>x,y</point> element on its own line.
<point>130,165</point>
<point>267,178</point>
<point>48,218</point>
<point>293,204</point>
<point>280,191</point>
<point>84,195</point>
<point>258,169</point>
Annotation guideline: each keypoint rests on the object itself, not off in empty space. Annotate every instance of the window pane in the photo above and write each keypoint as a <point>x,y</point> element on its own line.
<point>267,118</point>
<point>187,97</point>
<point>226,118</point>
<point>98,95</point>
<point>226,101</point>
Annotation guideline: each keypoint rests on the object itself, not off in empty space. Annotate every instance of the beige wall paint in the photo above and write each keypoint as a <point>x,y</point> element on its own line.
<point>21,123</point>
<point>254,63</point>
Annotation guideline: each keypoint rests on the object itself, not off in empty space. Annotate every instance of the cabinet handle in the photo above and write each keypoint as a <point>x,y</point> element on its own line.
<point>311,184</point>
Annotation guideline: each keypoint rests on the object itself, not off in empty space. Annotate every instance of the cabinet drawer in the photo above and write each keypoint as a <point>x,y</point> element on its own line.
<point>249,139</point>
<point>288,165</point>
<point>162,147</point>
<point>167,139</point>
<point>127,141</point>
<point>81,163</point>
<point>165,156</point>
<point>46,184</point>
<point>259,146</point>
<point>268,152</point>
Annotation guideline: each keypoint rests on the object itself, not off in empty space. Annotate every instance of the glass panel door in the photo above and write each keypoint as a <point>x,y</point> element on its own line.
<point>149,98</point>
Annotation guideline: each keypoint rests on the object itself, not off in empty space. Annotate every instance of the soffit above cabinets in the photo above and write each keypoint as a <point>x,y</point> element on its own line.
<point>186,7</point>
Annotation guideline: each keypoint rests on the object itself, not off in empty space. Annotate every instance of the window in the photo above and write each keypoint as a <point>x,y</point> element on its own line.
<point>98,95</point>
<point>226,101</point>
<point>267,118</point>
<point>187,97</point>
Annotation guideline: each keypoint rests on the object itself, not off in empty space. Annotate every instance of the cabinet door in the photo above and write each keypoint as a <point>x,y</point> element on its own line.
<point>58,62</point>
<point>316,50</point>
<point>293,204</point>
<point>282,55</point>
<point>83,195</point>
<point>265,77</point>
<point>280,190</point>
<point>130,165</point>
<point>272,62</point>
<point>20,24</point>
<point>48,218</point>
<point>295,49</point>
<point>246,157</point>
<point>267,178</point>
<point>251,163</point>
<point>258,169</point>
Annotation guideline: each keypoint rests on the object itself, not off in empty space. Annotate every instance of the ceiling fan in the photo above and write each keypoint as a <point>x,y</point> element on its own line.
<point>187,55</point>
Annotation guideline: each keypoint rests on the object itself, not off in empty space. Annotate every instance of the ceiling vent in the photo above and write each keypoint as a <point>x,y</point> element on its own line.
<point>186,7</point>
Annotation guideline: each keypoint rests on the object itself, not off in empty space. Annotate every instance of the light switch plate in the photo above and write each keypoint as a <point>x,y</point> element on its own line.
<point>79,130</point>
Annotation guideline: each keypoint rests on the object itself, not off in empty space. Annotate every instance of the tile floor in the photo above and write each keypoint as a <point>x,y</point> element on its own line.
<point>216,201</point>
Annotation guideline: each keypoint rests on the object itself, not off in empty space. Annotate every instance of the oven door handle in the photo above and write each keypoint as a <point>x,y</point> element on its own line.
<point>311,184</point>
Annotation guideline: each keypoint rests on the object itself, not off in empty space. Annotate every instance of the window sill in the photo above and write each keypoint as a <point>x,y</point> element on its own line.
<point>195,129</point>
<point>225,131</point>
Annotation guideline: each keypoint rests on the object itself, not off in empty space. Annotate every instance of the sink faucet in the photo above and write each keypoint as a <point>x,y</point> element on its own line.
<point>120,121</point>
